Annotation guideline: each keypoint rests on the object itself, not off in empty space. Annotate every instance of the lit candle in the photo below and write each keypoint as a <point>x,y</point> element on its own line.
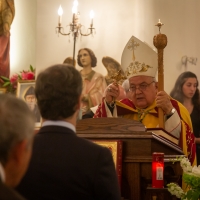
<point>74,11</point>
<point>91,16</point>
<point>158,170</point>
<point>75,3</point>
<point>60,13</point>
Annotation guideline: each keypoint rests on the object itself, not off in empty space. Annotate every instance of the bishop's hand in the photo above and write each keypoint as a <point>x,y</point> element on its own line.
<point>163,102</point>
<point>112,92</point>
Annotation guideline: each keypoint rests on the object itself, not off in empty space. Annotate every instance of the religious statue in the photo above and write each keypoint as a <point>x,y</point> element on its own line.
<point>7,13</point>
<point>94,83</point>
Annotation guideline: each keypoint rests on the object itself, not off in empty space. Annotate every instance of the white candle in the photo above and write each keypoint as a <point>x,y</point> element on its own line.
<point>60,13</point>
<point>74,9</point>
<point>159,21</point>
<point>75,3</point>
<point>91,16</point>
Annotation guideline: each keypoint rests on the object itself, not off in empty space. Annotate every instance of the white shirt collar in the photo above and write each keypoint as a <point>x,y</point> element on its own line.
<point>2,173</point>
<point>59,123</point>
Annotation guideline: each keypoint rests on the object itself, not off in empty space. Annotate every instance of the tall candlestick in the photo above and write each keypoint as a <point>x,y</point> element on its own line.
<point>75,25</point>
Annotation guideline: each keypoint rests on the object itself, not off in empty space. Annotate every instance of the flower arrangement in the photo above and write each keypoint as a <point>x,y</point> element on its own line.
<point>11,83</point>
<point>191,176</point>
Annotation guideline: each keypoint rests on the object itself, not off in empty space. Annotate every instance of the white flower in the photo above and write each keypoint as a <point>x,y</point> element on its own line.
<point>174,189</point>
<point>196,170</point>
<point>192,177</point>
<point>186,165</point>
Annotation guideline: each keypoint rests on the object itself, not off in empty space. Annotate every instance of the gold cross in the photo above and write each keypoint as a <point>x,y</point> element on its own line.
<point>118,77</point>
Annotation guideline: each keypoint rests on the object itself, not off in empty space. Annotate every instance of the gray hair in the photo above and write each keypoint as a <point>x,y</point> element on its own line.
<point>126,85</point>
<point>16,124</point>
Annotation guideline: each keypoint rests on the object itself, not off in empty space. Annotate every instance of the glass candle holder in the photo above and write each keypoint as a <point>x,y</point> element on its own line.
<point>157,170</point>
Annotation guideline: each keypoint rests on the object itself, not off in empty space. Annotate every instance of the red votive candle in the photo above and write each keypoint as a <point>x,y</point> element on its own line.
<point>157,170</point>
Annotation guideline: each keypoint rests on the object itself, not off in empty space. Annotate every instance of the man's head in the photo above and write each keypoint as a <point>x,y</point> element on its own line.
<point>30,97</point>
<point>139,62</point>
<point>143,90</point>
<point>58,90</point>
<point>16,137</point>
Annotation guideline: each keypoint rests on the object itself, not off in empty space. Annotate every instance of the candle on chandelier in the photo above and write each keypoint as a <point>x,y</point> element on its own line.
<point>91,16</point>
<point>157,170</point>
<point>60,13</point>
<point>74,11</point>
<point>159,21</point>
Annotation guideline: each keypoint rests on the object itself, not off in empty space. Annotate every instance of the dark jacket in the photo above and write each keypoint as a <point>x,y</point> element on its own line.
<point>65,166</point>
<point>7,193</point>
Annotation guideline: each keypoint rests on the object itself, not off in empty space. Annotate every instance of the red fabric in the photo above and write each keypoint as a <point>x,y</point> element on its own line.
<point>101,110</point>
<point>190,138</point>
<point>5,56</point>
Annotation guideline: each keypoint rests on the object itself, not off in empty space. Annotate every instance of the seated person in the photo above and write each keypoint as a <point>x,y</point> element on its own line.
<point>146,99</point>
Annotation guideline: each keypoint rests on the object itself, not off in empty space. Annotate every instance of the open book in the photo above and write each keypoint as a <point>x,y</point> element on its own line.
<point>115,147</point>
<point>164,134</point>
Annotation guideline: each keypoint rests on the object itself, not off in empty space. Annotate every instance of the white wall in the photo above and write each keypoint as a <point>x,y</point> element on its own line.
<point>23,36</point>
<point>115,22</point>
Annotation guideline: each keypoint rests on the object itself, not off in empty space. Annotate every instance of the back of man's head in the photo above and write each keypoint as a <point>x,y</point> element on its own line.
<point>58,90</point>
<point>16,124</point>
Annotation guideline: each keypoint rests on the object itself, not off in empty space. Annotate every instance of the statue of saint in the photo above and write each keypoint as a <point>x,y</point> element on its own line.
<point>7,13</point>
<point>94,83</point>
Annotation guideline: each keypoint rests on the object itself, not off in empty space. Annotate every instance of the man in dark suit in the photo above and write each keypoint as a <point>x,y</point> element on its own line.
<point>64,166</point>
<point>16,138</point>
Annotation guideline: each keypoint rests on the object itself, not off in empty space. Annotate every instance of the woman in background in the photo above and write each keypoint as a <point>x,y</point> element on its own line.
<point>186,91</point>
<point>94,83</point>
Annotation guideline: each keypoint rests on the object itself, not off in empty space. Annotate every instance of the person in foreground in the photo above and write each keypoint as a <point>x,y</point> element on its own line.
<point>146,99</point>
<point>63,165</point>
<point>186,91</point>
<point>16,138</point>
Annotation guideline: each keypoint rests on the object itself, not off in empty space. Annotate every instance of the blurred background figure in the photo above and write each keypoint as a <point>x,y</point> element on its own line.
<point>16,137</point>
<point>126,87</point>
<point>70,61</point>
<point>7,13</point>
<point>94,83</point>
<point>186,91</point>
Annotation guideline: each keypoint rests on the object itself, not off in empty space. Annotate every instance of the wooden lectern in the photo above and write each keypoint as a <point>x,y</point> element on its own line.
<point>138,146</point>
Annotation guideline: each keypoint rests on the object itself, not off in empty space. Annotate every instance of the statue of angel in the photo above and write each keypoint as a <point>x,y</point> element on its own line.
<point>113,68</point>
